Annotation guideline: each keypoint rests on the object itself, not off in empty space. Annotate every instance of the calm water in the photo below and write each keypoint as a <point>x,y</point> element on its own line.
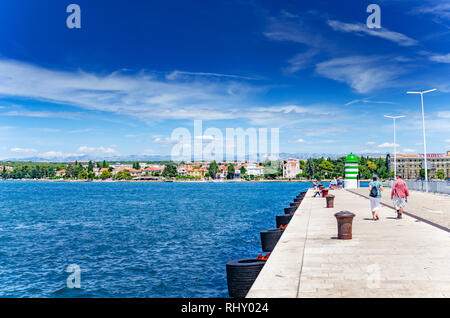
<point>131,239</point>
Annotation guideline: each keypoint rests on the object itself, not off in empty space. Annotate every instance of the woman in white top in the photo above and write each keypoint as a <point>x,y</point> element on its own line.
<point>375,189</point>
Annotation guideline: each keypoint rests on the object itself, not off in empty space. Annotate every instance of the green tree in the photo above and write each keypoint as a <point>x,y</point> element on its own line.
<point>90,167</point>
<point>326,168</point>
<point>212,169</point>
<point>170,171</point>
<point>243,170</point>
<point>309,168</point>
<point>440,174</point>
<point>82,175</point>
<point>372,166</point>
<point>105,175</point>
<point>4,173</point>
<point>386,162</point>
<point>123,175</point>
<point>230,171</point>
<point>105,164</point>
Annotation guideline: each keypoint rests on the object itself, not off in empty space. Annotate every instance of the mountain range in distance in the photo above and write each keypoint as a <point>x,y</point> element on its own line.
<point>282,156</point>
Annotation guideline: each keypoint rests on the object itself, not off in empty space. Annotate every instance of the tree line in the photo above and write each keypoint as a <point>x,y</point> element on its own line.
<point>319,168</point>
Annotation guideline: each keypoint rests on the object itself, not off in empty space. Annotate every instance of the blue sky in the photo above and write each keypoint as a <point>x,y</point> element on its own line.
<point>137,70</point>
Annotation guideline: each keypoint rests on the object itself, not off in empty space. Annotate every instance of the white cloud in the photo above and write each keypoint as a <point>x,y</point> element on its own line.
<point>300,140</point>
<point>370,151</point>
<point>165,140</point>
<point>301,61</point>
<point>440,58</point>
<point>363,73</point>
<point>96,150</point>
<point>140,95</point>
<point>40,114</point>
<point>409,150</point>
<point>440,10</point>
<point>368,101</point>
<point>23,150</point>
<point>360,29</point>
<point>52,154</point>
<point>205,138</point>
<point>371,143</point>
<point>182,74</point>
<point>443,114</point>
<point>143,96</point>
<point>293,29</point>
<point>387,145</point>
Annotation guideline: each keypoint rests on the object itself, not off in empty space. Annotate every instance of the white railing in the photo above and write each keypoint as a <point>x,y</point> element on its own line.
<point>433,186</point>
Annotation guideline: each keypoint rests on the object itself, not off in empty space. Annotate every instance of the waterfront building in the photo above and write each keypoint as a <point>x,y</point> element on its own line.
<point>223,171</point>
<point>195,171</point>
<point>60,173</point>
<point>291,168</point>
<point>154,169</point>
<point>121,166</point>
<point>135,172</point>
<point>410,165</point>
<point>255,170</point>
<point>182,170</point>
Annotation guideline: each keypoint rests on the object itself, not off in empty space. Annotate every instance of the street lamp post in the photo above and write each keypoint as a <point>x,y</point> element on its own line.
<point>424,137</point>
<point>395,143</point>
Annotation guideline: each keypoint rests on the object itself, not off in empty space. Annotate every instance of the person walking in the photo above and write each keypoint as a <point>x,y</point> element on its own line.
<point>375,189</point>
<point>333,183</point>
<point>399,195</point>
<point>339,183</point>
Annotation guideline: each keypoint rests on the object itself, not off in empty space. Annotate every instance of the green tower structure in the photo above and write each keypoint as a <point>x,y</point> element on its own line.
<point>351,172</point>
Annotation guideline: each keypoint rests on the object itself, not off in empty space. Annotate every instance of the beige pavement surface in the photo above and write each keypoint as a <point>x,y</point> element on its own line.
<point>430,206</point>
<point>385,258</point>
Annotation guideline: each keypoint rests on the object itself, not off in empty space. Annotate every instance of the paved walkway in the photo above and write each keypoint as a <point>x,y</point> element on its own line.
<point>385,258</point>
<point>430,206</point>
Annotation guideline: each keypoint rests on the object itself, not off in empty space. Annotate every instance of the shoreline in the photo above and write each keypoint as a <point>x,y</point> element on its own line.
<point>161,181</point>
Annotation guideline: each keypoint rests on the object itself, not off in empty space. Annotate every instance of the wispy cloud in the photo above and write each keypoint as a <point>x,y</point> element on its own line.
<point>440,10</point>
<point>40,114</point>
<point>182,74</point>
<point>368,101</point>
<point>139,95</point>
<point>301,61</point>
<point>292,29</point>
<point>143,96</point>
<point>440,58</point>
<point>362,73</point>
<point>362,29</point>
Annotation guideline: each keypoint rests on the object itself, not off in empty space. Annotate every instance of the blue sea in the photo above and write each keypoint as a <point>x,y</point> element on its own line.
<point>131,239</point>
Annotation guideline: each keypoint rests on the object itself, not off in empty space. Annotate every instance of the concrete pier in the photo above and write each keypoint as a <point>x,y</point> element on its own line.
<point>385,258</point>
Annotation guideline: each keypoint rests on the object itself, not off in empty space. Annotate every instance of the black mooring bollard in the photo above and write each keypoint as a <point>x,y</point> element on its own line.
<point>241,274</point>
<point>283,219</point>
<point>270,238</point>
<point>290,210</point>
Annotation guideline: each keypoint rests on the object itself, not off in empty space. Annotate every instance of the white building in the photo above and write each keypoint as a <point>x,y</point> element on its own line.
<point>254,169</point>
<point>291,168</point>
